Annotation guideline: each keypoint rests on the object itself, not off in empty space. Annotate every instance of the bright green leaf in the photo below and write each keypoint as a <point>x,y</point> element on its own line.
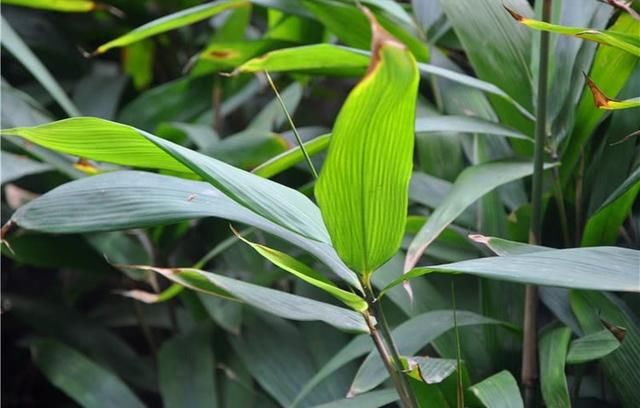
<point>592,347</point>
<point>363,187</point>
<point>499,391</point>
<point>553,353</point>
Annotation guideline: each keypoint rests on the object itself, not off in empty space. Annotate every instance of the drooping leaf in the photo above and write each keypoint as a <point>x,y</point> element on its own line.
<point>103,140</point>
<point>171,22</point>
<point>621,367</point>
<point>186,369</point>
<point>363,187</point>
<point>499,391</point>
<point>576,268</point>
<point>100,140</point>
<point>309,59</point>
<point>273,301</point>
<point>592,347</point>
<point>329,59</point>
<point>553,353</point>
<point>86,382</point>
<point>473,183</point>
<point>125,200</point>
<point>14,44</point>
<point>623,41</point>
<point>304,272</point>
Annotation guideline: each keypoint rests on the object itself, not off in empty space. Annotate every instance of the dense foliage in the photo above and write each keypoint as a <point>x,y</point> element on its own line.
<point>257,203</point>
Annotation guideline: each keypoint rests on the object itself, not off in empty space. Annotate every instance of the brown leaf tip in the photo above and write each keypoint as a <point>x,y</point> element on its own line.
<point>516,16</point>
<point>599,98</point>
<point>379,37</point>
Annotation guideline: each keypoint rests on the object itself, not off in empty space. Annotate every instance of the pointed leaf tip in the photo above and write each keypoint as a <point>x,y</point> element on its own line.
<point>599,98</point>
<point>516,16</point>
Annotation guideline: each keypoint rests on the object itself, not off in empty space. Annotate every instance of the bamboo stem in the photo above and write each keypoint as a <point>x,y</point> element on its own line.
<point>387,349</point>
<point>529,373</point>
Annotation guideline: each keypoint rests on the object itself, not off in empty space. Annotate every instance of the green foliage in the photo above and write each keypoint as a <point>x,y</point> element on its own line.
<point>123,284</point>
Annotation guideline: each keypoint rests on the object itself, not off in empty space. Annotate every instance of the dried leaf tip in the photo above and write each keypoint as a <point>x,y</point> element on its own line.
<point>481,239</point>
<point>379,38</point>
<point>599,98</point>
<point>516,16</point>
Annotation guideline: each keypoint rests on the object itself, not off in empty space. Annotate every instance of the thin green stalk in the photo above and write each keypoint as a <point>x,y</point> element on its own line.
<point>293,127</point>
<point>388,350</point>
<point>460,386</point>
<point>529,373</point>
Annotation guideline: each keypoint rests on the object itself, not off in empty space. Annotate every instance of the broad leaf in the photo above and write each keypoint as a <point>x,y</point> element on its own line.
<point>592,347</point>
<point>363,188</point>
<point>499,391</point>
<point>87,383</point>
<point>596,310</point>
<point>473,183</point>
<point>130,199</point>
<point>553,354</point>
<point>273,301</point>
<point>598,268</point>
<point>171,22</point>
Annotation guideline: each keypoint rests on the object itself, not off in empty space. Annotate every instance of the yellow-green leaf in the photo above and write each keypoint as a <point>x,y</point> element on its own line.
<point>302,271</point>
<point>68,6</point>
<point>623,41</point>
<point>363,188</point>
<point>171,22</point>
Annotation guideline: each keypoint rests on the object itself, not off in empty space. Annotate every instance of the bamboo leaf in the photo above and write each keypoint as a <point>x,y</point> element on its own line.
<point>363,187</point>
<point>592,347</point>
<point>186,369</point>
<point>587,115</point>
<point>473,183</point>
<point>621,366</point>
<point>308,275</point>
<point>171,22</point>
<point>131,199</point>
<point>465,124</point>
<point>69,6</point>
<point>499,391</point>
<point>291,157</point>
<point>623,41</point>
<point>14,44</point>
<point>279,303</point>
<point>87,383</point>
<point>577,268</point>
<point>330,59</point>
<point>553,353</point>
<point>602,101</point>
